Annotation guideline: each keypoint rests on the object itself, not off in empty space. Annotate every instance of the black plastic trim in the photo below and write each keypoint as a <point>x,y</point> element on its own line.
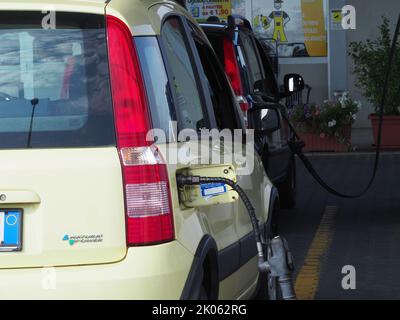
<point>248,248</point>
<point>272,200</point>
<point>207,249</point>
<point>225,262</point>
<point>229,260</point>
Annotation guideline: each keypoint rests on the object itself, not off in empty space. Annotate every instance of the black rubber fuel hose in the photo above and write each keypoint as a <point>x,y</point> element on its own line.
<point>183,180</point>
<point>297,146</point>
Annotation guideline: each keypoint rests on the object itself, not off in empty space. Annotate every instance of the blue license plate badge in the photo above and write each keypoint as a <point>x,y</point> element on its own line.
<point>10,230</point>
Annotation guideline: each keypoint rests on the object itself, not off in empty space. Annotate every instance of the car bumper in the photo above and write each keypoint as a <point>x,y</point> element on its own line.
<point>154,272</point>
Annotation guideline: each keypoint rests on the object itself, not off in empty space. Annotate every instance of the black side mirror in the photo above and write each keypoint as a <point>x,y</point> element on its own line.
<point>293,83</point>
<point>265,119</point>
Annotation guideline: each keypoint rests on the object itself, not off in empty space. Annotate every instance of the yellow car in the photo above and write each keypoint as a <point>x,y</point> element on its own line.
<point>89,207</point>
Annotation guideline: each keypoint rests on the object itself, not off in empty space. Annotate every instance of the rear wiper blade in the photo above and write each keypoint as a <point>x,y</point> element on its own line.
<point>34,103</point>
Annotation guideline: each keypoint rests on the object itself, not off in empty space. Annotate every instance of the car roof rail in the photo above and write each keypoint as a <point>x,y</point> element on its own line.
<point>235,20</point>
<point>182,3</point>
<point>231,22</point>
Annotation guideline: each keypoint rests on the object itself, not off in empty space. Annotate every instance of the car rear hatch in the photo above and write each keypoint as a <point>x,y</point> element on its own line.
<point>60,173</point>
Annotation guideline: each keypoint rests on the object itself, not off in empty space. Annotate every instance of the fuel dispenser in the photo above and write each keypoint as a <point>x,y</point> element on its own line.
<point>274,256</point>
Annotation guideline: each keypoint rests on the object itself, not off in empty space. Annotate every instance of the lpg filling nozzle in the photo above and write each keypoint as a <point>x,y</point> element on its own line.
<point>274,256</point>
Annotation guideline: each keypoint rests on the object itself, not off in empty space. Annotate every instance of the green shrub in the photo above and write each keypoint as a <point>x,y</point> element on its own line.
<point>370,60</point>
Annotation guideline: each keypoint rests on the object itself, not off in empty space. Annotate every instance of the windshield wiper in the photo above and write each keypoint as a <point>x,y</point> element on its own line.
<point>34,103</point>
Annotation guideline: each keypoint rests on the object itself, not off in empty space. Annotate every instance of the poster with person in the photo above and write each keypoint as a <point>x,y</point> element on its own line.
<point>296,27</point>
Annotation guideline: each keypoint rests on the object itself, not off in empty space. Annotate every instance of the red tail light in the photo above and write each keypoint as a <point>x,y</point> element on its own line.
<point>232,67</point>
<point>243,103</point>
<point>233,72</point>
<point>149,218</point>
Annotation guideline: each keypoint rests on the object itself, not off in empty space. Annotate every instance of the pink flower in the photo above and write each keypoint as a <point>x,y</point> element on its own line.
<point>322,135</point>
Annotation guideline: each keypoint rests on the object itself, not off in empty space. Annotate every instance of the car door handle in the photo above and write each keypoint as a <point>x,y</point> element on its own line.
<point>18,196</point>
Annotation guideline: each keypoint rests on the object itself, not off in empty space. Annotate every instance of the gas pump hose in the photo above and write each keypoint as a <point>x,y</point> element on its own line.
<point>278,262</point>
<point>297,145</point>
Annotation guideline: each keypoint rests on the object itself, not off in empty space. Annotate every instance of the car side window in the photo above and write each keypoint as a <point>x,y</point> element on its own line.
<point>217,83</point>
<point>244,71</point>
<point>189,109</point>
<point>253,60</point>
<point>271,83</point>
<point>157,83</point>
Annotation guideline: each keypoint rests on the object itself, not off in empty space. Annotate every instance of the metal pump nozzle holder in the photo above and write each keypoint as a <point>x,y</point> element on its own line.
<point>279,264</point>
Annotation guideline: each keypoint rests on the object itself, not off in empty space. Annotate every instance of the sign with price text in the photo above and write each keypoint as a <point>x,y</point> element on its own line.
<point>201,10</point>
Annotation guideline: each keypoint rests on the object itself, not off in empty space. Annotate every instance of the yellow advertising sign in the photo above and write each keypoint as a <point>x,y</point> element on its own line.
<point>314,27</point>
<point>201,10</point>
<point>296,27</point>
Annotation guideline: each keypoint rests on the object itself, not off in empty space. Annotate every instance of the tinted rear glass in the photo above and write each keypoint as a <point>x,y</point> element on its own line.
<point>54,83</point>
<point>217,41</point>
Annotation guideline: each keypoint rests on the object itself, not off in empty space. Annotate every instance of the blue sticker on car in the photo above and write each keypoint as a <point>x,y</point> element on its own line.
<point>212,189</point>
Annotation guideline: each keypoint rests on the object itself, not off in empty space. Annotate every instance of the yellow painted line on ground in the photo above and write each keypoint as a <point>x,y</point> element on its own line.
<point>307,280</point>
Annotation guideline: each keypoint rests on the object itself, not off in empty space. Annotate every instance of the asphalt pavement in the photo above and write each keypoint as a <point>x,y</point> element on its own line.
<point>355,242</point>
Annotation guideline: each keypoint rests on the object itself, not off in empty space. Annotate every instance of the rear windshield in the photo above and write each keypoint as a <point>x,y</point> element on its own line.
<point>54,81</point>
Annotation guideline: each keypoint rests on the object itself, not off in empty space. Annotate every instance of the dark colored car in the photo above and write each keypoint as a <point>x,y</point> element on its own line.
<point>270,47</point>
<point>252,77</point>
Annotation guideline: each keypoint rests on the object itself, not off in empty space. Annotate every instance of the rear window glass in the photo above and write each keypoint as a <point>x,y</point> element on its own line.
<point>157,84</point>
<point>217,41</point>
<point>54,83</point>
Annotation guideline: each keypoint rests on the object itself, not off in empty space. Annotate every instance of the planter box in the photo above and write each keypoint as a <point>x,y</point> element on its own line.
<point>390,131</point>
<point>314,143</point>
